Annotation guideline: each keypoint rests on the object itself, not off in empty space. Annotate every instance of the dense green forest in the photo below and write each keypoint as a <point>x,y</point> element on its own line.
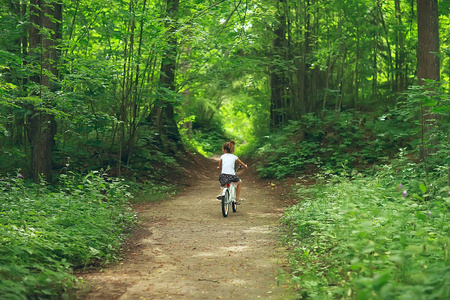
<point>102,101</point>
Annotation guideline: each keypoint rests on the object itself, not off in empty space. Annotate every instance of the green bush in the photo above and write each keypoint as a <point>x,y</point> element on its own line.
<point>327,145</point>
<point>45,234</point>
<point>370,237</point>
<point>206,141</point>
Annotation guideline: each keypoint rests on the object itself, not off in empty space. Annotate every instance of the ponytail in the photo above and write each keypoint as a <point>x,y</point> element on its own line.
<point>232,144</point>
<point>229,146</point>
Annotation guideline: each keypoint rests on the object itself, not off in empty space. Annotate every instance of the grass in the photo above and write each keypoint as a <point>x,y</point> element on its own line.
<point>370,237</point>
<point>46,234</point>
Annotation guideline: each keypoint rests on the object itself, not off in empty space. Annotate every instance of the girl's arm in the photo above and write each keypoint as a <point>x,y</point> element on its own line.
<point>220,165</point>
<point>242,163</point>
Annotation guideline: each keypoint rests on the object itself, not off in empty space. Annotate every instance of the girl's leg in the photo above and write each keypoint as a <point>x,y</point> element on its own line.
<point>219,195</point>
<point>238,190</point>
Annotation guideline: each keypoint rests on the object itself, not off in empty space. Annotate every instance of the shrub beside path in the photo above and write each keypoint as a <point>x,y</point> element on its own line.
<point>186,249</point>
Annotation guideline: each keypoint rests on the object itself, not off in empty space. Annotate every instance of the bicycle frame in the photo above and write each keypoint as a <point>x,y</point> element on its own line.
<point>231,187</point>
<point>229,197</point>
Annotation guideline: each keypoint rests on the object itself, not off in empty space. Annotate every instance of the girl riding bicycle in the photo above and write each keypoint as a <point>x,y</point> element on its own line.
<point>226,164</point>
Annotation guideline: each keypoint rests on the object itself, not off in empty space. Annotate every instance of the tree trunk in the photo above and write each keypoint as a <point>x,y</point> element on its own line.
<point>278,76</point>
<point>400,73</point>
<point>428,65</point>
<point>375,69</point>
<point>303,54</point>
<point>162,115</point>
<point>44,31</point>
<point>18,48</point>
<point>358,53</point>
<point>301,76</point>
<point>380,48</point>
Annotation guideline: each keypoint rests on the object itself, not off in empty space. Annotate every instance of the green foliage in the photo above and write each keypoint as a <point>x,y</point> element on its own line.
<point>149,191</point>
<point>45,234</point>
<point>347,140</point>
<point>207,143</point>
<point>151,163</point>
<point>201,138</point>
<point>360,140</point>
<point>374,237</point>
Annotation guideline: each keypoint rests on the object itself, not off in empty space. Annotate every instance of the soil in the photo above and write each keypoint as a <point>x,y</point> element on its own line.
<point>185,249</point>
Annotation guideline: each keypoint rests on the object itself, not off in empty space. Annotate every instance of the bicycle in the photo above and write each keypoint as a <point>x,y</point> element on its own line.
<point>229,197</point>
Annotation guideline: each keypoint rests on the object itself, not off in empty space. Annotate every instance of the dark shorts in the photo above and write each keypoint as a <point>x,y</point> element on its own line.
<point>227,178</point>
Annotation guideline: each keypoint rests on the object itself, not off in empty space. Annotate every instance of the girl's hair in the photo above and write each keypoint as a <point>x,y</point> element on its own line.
<point>232,143</point>
<point>226,147</point>
<point>229,146</point>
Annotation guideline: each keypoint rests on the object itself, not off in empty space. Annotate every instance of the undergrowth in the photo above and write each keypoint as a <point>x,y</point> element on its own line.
<point>379,236</point>
<point>347,138</point>
<point>375,225</point>
<point>206,141</point>
<point>46,234</point>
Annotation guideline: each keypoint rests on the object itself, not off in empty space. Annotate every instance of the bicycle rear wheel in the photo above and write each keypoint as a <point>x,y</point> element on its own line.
<point>234,202</point>
<point>226,203</point>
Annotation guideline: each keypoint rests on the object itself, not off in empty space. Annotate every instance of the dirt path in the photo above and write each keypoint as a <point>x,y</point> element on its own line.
<point>190,251</point>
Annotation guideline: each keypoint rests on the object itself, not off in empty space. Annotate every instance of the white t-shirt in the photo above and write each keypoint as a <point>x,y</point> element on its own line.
<point>228,163</point>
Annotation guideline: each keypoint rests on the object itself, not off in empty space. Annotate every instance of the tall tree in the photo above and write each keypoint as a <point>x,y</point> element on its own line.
<point>45,17</point>
<point>400,82</point>
<point>278,79</point>
<point>163,114</point>
<point>428,65</point>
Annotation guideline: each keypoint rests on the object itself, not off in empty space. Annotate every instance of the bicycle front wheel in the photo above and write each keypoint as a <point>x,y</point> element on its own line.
<point>226,203</point>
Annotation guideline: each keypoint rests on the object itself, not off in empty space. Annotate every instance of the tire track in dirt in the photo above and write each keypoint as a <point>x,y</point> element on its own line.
<point>190,251</point>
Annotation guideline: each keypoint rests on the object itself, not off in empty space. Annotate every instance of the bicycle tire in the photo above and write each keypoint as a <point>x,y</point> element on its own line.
<point>226,203</point>
<point>234,203</point>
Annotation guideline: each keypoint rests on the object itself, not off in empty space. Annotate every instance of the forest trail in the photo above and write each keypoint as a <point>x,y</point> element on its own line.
<point>188,250</point>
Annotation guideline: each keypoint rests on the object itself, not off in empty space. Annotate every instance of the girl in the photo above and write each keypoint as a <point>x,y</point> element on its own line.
<point>226,164</point>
